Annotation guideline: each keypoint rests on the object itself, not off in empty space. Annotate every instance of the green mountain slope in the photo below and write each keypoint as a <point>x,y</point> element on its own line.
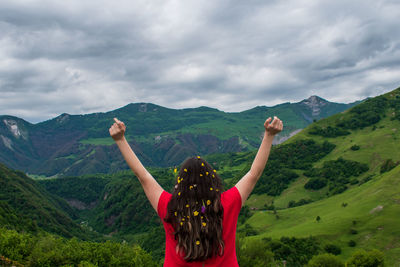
<point>25,205</point>
<point>363,205</point>
<point>79,144</point>
<point>369,216</point>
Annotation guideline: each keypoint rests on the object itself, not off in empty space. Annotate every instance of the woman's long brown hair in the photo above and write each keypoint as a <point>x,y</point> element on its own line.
<point>195,211</point>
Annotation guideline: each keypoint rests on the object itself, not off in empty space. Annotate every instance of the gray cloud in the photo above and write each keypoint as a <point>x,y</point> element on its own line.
<point>82,57</point>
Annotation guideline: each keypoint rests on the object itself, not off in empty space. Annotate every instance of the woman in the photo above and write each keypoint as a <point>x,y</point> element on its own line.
<point>199,219</point>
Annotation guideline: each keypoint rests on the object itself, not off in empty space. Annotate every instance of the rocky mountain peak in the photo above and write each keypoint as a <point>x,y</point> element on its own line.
<point>12,125</point>
<point>63,118</point>
<point>315,103</point>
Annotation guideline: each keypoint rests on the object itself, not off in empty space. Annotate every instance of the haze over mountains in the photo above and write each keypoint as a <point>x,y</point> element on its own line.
<point>80,144</point>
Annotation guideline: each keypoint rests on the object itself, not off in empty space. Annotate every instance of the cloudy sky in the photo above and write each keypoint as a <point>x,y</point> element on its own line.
<point>88,56</point>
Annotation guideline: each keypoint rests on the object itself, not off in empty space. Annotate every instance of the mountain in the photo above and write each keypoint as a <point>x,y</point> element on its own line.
<point>80,144</point>
<point>27,206</point>
<point>343,170</point>
<point>353,189</point>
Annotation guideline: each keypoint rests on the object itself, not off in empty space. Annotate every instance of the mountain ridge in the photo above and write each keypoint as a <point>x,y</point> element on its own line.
<point>80,144</point>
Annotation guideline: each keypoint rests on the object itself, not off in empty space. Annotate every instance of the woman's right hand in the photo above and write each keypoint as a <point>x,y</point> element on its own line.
<point>117,130</point>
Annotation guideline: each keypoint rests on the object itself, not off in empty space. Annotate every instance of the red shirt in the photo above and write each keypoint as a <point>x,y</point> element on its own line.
<point>232,202</point>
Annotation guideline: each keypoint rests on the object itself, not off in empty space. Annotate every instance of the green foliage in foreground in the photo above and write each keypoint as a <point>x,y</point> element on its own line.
<point>266,251</point>
<point>50,250</point>
<point>373,258</point>
<point>297,252</point>
<point>325,260</point>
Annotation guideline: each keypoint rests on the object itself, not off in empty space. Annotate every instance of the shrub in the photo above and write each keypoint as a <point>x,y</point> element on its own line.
<point>373,258</point>
<point>332,249</point>
<point>353,231</point>
<point>255,253</point>
<point>301,202</point>
<point>352,243</point>
<point>325,260</point>
<point>328,131</point>
<point>316,183</point>
<point>388,165</point>
<point>355,147</point>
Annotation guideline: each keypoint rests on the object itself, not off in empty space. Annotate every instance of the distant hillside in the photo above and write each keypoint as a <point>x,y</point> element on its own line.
<point>26,206</point>
<point>79,144</point>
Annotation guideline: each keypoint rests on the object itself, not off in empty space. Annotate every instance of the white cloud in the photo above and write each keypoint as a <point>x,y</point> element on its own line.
<point>90,56</point>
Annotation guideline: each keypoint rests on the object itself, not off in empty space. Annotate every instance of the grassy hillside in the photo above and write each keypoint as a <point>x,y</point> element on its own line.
<point>370,209</point>
<point>367,209</point>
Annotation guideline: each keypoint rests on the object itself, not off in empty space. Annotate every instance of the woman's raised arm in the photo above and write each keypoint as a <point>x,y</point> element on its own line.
<point>150,186</point>
<point>246,184</point>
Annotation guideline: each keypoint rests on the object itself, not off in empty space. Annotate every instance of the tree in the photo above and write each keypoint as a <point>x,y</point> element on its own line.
<point>318,218</point>
<point>325,260</point>
<point>255,253</point>
<point>373,258</point>
<point>332,249</point>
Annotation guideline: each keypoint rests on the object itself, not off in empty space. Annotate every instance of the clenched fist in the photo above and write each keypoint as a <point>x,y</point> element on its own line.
<point>272,128</point>
<point>117,130</point>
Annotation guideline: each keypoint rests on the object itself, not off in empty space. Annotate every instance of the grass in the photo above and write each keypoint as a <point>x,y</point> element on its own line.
<point>376,229</point>
<point>372,209</point>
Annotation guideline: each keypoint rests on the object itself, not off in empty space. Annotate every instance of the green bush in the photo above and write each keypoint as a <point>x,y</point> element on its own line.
<point>373,258</point>
<point>328,131</point>
<point>388,165</point>
<point>316,183</point>
<point>337,172</point>
<point>51,250</point>
<point>352,243</point>
<point>325,260</point>
<point>255,253</point>
<point>332,249</point>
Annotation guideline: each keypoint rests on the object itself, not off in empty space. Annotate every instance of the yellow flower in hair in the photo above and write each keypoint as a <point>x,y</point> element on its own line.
<point>204,224</point>
<point>198,157</point>
<point>201,217</point>
<point>211,189</point>
<point>176,214</point>
<point>185,170</point>
<point>195,213</point>
<point>179,181</point>
<point>215,171</point>
<point>181,223</point>
<point>188,217</point>
<point>183,219</point>
<point>175,170</point>
<point>201,174</point>
<point>191,187</point>
<point>179,193</point>
<point>187,205</point>
<point>208,202</point>
<point>197,242</point>
<point>202,164</point>
<point>206,173</point>
<point>213,175</point>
